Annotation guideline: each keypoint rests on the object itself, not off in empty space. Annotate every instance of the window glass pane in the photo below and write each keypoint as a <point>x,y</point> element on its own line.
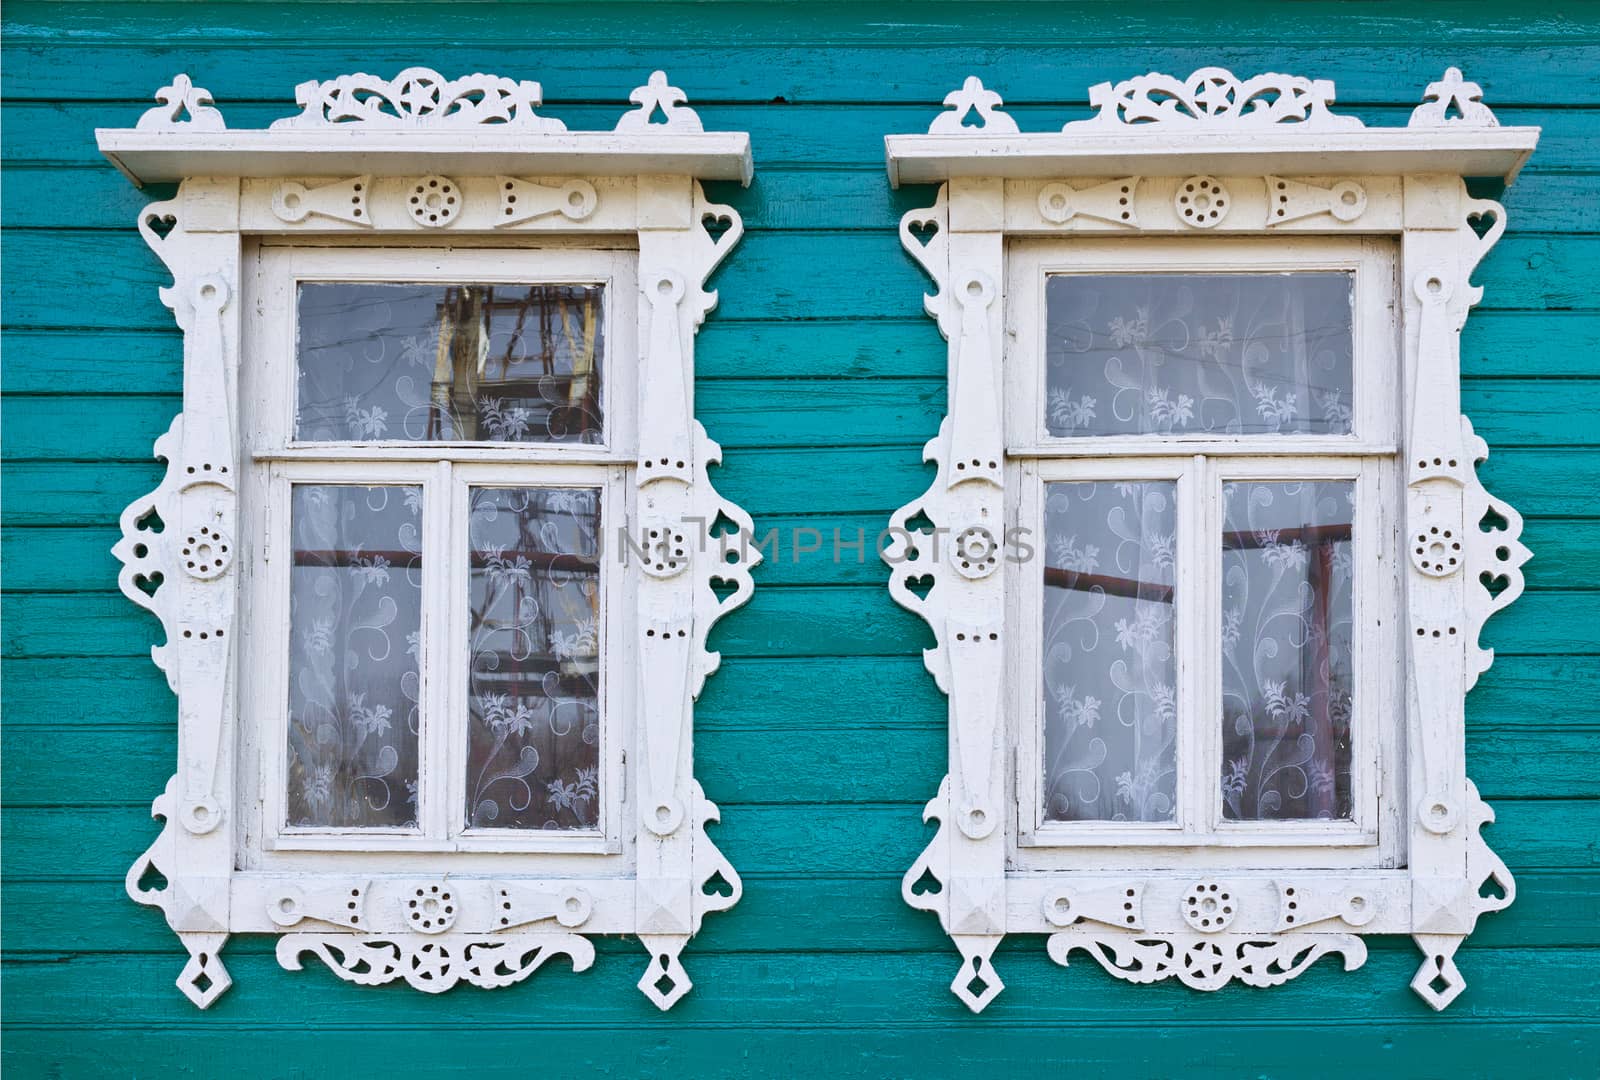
<point>464,363</point>
<point>1198,354</point>
<point>534,685</point>
<point>1286,649</point>
<point>355,620</point>
<point>1110,676</point>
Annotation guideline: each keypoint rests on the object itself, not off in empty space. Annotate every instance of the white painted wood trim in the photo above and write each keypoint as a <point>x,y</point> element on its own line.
<point>931,159</point>
<point>230,240</point>
<point>420,123</point>
<point>1414,860</point>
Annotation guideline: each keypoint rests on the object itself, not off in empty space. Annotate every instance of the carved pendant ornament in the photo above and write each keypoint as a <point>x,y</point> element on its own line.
<point>1235,915</point>
<point>368,916</point>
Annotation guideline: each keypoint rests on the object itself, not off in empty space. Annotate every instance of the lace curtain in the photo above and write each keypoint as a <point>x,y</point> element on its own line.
<point>534,685</point>
<point>1110,675</point>
<point>462,363</point>
<point>355,616</point>
<point>1287,624</point>
<point>1176,354</point>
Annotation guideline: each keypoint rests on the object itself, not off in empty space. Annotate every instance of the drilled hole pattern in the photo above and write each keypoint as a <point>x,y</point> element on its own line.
<point>975,554</point>
<point>434,201</point>
<point>1209,906</point>
<point>432,909</point>
<point>666,551</point>
<point>1202,201</point>
<point>1436,551</point>
<point>206,552</point>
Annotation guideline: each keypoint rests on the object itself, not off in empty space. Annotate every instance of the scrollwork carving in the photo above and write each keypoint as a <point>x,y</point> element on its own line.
<point>419,97</point>
<point>434,963</point>
<point>1206,961</point>
<point>1213,98</point>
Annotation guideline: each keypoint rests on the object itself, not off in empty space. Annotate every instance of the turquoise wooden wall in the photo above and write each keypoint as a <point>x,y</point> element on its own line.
<point>822,736</point>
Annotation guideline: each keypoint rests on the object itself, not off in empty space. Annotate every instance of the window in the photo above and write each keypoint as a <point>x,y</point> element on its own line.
<point>1193,456</point>
<point>1206,541</point>
<point>446,620</point>
<point>433,616</point>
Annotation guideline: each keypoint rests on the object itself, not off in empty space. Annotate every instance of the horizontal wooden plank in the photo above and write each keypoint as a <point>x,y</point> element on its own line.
<point>1538,482</point>
<point>931,1041</point>
<point>863,915</point>
<point>1392,64</point>
<point>151,361</point>
<point>842,1052</point>
<point>101,842</point>
<point>795,275</point>
<point>860,695</point>
<point>771,413</point>
<point>756,412</point>
<point>1495,345</point>
<point>740,414</point>
<point>1468,24</point>
<point>777,988</point>
<point>783,764</point>
<point>798,620</point>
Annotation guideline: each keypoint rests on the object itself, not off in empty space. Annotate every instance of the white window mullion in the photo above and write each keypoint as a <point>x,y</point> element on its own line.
<point>443,611</point>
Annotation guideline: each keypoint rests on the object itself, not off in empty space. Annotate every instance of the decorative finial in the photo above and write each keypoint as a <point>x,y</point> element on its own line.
<point>973,97</point>
<point>182,96</point>
<point>656,94</point>
<point>1452,91</point>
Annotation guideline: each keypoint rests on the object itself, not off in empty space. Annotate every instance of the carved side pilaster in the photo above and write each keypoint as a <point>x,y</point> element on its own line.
<point>677,603</point>
<point>179,552</point>
<point>961,557</point>
<point>1447,603</point>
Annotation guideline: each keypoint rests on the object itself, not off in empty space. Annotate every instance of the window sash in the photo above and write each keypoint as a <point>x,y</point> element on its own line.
<point>269,371</point>
<point>1370,836</point>
<point>443,826</point>
<point>1375,390</point>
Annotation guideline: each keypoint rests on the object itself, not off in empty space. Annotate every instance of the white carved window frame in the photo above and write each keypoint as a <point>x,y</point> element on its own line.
<point>1103,193</point>
<point>325,193</point>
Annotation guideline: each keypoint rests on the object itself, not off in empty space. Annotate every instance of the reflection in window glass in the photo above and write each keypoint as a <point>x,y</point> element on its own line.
<point>534,684</point>
<point>355,617</point>
<point>464,363</point>
<point>1197,354</point>
<point>1286,649</point>
<point>1110,676</point>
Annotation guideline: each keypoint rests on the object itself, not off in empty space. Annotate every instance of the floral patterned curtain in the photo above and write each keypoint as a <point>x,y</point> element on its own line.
<point>461,363</point>
<point>534,683</point>
<point>1287,623</point>
<point>1110,674</point>
<point>355,611</point>
<point>1221,354</point>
